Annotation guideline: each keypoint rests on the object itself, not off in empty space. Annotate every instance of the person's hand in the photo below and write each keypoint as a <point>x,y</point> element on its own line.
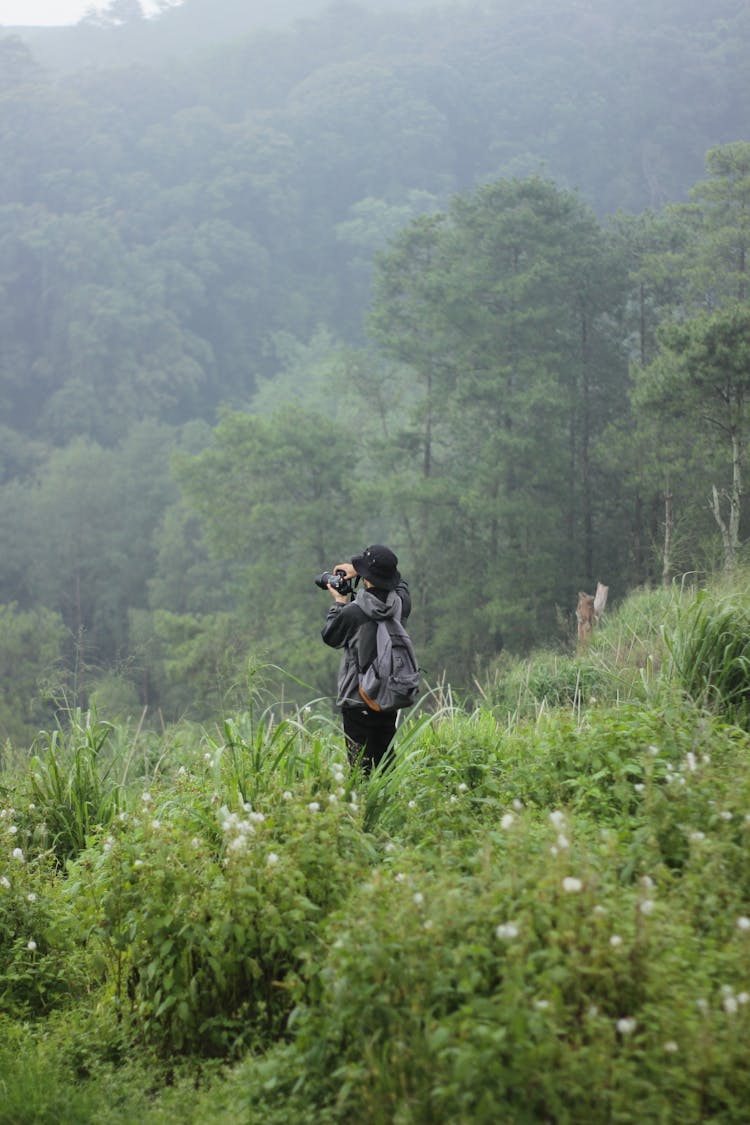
<point>338,596</point>
<point>348,569</point>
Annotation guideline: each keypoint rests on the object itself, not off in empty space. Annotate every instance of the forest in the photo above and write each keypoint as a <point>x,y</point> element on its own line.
<point>468,279</point>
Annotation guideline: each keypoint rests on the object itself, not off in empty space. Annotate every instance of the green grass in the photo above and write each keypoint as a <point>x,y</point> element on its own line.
<point>539,912</point>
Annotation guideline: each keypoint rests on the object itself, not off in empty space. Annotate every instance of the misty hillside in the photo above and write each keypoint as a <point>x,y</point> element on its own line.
<point>378,273</point>
<point>122,37</point>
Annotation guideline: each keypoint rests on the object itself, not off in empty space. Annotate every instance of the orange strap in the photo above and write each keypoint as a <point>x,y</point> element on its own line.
<point>370,702</point>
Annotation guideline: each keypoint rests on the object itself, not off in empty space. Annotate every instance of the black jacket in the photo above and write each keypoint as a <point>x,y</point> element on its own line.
<point>353,627</point>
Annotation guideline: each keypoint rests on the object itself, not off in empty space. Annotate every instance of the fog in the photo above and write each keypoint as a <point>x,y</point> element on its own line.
<point>259,306</point>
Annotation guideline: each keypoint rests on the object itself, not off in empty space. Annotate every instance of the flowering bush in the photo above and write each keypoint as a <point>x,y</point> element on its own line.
<point>207,930</point>
<point>41,961</point>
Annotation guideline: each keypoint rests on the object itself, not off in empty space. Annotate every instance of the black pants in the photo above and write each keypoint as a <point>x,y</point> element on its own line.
<point>368,734</point>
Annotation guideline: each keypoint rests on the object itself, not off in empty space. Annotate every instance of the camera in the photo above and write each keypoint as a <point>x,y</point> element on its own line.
<point>337,580</point>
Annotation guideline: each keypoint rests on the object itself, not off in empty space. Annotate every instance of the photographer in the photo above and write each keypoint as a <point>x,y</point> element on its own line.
<point>352,625</point>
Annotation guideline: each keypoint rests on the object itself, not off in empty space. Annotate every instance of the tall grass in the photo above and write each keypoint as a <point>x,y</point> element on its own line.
<point>73,784</point>
<point>709,646</point>
<point>623,661</point>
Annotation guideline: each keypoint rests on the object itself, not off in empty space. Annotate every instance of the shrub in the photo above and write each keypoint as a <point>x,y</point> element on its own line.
<point>528,984</point>
<point>207,924</point>
<point>42,960</point>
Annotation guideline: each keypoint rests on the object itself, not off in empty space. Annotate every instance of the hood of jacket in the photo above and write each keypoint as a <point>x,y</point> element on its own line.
<point>375,607</point>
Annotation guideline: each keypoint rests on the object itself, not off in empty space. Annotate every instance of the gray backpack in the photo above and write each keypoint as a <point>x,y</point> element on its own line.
<point>391,680</point>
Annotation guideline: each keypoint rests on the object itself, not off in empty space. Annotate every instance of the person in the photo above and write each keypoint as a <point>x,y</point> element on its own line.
<point>352,625</point>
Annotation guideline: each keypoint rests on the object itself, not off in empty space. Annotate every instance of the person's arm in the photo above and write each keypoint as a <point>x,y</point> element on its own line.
<point>403,592</point>
<point>342,622</point>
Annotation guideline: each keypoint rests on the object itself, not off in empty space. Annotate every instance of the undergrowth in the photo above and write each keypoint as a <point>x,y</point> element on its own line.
<point>539,910</point>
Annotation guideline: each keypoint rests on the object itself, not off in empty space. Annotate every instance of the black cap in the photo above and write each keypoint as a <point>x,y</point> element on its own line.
<point>378,565</point>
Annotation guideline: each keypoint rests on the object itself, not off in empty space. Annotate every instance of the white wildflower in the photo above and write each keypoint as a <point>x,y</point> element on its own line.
<point>615,941</point>
<point>697,837</point>
<point>314,806</point>
<point>18,854</point>
<point>12,829</point>
<point>702,1004</point>
<point>653,751</point>
<point>5,882</point>
<point>517,805</point>
<point>411,804</point>
<point>256,818</point>
<point>647,906</point>
<point>725,814</point>
<point>507,931</point>
<point>138,863</point>
<point>639,787</point>
<point>156,824</point>
<point>690,761</point>
<point>743,923</point>
<point>427,924</point>
<point>31,945</point>
<point>743,997</point>
<point>541,1005</point>
<point>563,842</point>
<point>31,897</point>
<point>626,1025</point>
<point>332,798</point>
<point>463,787</point>
<point>571,884</point>
<point>418,898</point>
<point>454,798</point>
<point>507,820</point>
<point>599,909</point>
<point>730,1004</point>
<point>146,798</point>
<point>400,877</point>
<point>272,859</point>
<point>557,818</point>
<point>286,795</point>
<point>671,1047</point>
<point>554,850</point>
<point>647,881</point>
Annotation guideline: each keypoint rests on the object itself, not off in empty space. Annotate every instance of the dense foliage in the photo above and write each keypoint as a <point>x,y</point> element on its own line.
<point>212,386</point>
<point>540,918</point>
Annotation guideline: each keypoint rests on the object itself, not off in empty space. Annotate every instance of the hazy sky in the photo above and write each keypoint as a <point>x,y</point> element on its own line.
<point>28,12</point>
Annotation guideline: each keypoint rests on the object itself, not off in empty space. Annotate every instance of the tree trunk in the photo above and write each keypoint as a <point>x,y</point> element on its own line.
<point>668,525</point>
<point>730,527</point>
